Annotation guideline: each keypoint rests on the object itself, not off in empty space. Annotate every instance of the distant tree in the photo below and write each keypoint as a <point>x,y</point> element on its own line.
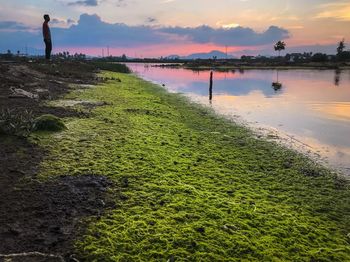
<point>319,57</point>
<point>246,58</point>
<point>341,47</point>
<point>8,54</point>
<point>288,57</point>
<point>307,56</point>
<point>124,57</point>
<point>279,46</point>
<point>342,55</point>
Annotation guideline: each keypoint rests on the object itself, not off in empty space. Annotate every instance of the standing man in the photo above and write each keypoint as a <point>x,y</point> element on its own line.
<point>47,37</point>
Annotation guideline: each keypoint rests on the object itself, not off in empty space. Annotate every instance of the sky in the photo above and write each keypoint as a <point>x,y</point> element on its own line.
<point>154,28</point>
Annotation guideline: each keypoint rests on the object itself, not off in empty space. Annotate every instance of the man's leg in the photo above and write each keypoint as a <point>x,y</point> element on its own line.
<point>48,49</point>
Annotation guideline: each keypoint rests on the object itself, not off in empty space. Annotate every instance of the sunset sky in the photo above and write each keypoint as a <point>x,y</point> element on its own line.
<point>153,28</point>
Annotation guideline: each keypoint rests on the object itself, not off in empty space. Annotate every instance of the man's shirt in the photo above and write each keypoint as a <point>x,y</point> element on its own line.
<point>46,31</point>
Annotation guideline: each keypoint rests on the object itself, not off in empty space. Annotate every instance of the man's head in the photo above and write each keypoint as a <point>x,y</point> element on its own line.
<point>47,18</point>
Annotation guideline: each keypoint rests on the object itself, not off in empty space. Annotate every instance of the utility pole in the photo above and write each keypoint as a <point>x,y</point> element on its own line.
<point>108,51</point>
<point>26,50</point>
<point>103,52</point>
<point>226,52</point>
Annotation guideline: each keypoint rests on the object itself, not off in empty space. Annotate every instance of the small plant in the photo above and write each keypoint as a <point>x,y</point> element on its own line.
<point>13,122</point>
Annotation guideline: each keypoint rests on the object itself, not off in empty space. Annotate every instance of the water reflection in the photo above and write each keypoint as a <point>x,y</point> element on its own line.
<point>337,74</point>
<point>276,86</point>
<point>229,86</point>
<point>305,105</point>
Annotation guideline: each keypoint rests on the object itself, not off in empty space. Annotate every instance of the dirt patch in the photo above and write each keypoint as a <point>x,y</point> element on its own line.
<point>50,213</point>
<point>31,256</point>
<point>39,220</point>
<point>25,85</point>
<point>38,216</point>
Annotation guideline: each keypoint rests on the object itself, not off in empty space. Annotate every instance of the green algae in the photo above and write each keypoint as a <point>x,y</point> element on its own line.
<point>194,187</point>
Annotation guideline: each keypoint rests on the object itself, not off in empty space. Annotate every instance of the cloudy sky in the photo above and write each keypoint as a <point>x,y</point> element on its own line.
<point>145,28</point>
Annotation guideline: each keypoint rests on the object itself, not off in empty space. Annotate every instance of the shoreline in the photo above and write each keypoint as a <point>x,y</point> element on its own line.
<point>291,142</point>
<point>288,140</point>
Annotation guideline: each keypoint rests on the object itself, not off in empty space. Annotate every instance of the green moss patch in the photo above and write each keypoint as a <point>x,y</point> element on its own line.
<point>193,186</point>
<point>48,123</point>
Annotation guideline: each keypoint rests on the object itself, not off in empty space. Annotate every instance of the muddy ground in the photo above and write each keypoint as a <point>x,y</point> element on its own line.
<point>37,216</point>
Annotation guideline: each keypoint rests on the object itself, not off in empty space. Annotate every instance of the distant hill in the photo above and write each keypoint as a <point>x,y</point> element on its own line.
<point>218,54</point>
<point>173,57</point>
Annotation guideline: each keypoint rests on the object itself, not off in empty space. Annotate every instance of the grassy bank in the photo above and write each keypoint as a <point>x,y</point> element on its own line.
<point>191,186</point>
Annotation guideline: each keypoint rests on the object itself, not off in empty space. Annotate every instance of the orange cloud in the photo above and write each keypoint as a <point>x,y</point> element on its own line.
<point>338,11</point>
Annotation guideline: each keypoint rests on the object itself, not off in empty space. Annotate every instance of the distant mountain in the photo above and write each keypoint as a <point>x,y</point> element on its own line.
<point>173,57</point>
<point>218,54</point>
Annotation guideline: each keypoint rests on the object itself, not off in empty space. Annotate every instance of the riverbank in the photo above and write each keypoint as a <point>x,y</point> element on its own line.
<point>190,185</point>
<point>177,182</point>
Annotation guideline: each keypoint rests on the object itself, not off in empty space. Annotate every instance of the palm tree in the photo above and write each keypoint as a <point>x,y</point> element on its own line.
<point>341,47</point>
<point>279,46</point>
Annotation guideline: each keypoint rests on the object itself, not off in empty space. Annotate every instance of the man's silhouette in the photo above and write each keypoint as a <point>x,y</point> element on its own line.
<point>47,37</point>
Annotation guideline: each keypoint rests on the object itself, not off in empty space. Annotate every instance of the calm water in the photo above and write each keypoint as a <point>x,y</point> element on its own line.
<point>311,109</point>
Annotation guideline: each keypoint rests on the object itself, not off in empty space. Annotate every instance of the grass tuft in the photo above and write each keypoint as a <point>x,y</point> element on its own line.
<point>16,122</point>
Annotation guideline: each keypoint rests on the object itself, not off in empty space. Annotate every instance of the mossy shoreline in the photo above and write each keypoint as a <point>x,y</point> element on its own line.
<point>192,186</point>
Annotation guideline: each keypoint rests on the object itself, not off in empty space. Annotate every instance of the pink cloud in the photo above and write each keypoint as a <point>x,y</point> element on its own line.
<point>151,50</point>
